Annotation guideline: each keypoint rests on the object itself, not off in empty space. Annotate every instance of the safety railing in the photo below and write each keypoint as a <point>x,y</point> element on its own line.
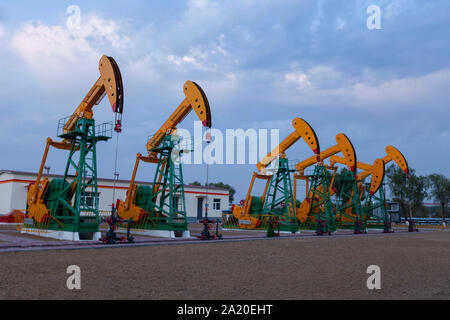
<point>182,143</point>
<point>229,220</point>
<point>104,129</point>
<point>61,124</point>
<point>25,224</point>
<point>91,214</point>
<point>440,227</point>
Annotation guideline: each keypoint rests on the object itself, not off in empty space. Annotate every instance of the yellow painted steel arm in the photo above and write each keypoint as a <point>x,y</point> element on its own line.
<point>377,170</point>
<point>377,173</point>
<point>302,130</point>
<point>344,145</point>
<point>37,187</point>
<point>195,100</point>
<point>132,189</point>
<point>109,83</point>
<point>393,154</point>
<point>243,212</point>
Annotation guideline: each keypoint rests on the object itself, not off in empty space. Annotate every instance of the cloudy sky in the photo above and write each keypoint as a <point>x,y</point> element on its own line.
<point>261,63</point>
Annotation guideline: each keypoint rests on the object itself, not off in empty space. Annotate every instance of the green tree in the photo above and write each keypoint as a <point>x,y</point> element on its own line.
<point>230,189</point>
<point>440,191</point>
<point>225,186</point>
<point>411,192</point>
<point>417,188</point>
<point>397,182</point>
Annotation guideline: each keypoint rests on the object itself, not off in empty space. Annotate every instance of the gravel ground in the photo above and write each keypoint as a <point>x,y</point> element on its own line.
<point>413,266</point>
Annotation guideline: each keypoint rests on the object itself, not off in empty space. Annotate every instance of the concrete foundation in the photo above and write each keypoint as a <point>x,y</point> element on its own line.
<point>156,233</point>
<point>63,235</point>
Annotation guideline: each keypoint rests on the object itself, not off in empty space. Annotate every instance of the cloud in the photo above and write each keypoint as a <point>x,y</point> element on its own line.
<point>207,57</point>
<point>316,78</point>
<point>395,8</point>
<point>340,24</point>
<point>55,52</point>
<point>299,79</point>
<point>426,91</point>
<point>324,85</point>
<point>260,62</point>
<point>200,12</point>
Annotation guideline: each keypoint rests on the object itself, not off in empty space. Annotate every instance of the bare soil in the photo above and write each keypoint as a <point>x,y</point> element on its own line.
<point>413,266</point>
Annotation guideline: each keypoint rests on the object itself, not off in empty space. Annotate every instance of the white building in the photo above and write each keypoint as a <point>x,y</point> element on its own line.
<point>14,186</point>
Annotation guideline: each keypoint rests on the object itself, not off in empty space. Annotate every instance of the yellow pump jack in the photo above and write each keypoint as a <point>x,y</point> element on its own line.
<point>110,83</point>
<point>63,205</point>
<point>319,186</point>
<point>154,208</point>
<point>251,211</point>
<point>376,171</point>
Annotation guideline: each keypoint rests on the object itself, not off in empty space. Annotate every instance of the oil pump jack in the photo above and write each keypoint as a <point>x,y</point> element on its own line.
<point>68,207</point>
<point>373,193</point>
<point>160,209</point>
<point>317,207</point>
<point>277,200</point>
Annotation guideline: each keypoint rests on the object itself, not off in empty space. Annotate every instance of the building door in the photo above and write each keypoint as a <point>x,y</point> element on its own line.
<point>199,208</point>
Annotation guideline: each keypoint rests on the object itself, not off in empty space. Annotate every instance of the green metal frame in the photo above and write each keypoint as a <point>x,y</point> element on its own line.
<point>279,200</point>
<point>377,200</point>
<point>79,214</point>
<point>162,210</point>
<point>319,196</point>
<point>349,197</point>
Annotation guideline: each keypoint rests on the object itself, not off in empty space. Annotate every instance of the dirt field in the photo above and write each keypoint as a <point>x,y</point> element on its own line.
<point>413,266</point>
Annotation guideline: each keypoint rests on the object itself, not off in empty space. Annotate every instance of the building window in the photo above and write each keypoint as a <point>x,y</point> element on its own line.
<point>88,198</point>
<point>216,204</point>
<point>394,207</point>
